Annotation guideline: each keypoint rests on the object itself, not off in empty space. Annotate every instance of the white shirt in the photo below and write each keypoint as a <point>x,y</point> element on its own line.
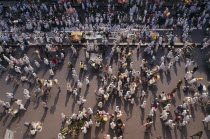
<point>26,69</point>
<point>143,105</point>
<point>27,96</point>
<point>37,64</point>
<point>10,95</point>
<point>87,81</point>
<point>46,62</point>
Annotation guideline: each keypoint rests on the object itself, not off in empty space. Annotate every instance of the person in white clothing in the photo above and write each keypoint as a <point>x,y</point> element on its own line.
<point>143,105</point>
<point>167,107</point>
<point>120,93</point>
<point>151,113</point>
<point>37,63</point>
<point>87,81</point>
<point>207,119</point>
<point>18,102</point>
<point>187,118</point>
<point>84,130</point>
<point>51,72</point>
<point>79,84</point>
<point>164,115</point>
<point>27,96</point>
<point>162,66</point>
<point>68,88</point>
<point>176,58</point>
<point>25,91</point>
<point>60,136</point>
<point>74,71</point>
<point>46,61</point>
<point>170,123</point>
<point>22,107</point>
<point>31,69</point>
<point>75,91</point>
<point>205,45</point>
<point>26,69</point>
<point>183,123</point>
<point>112,125</point>
<point>110,70</point>
<point>90,111</point>
<point>170,54</point>
<point>143,94</point>
<point>117,109</point>
<point>17,69</point>
<point>10,95</point>
<point>189,62</point>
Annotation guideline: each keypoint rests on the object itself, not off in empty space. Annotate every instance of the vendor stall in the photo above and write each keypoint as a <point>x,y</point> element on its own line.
<point>122,1</point>
<point>71,11</point>
<point>76,36</point>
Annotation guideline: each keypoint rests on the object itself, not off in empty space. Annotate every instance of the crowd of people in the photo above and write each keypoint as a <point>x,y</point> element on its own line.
<point>40,22</point>
<point>26,20</point>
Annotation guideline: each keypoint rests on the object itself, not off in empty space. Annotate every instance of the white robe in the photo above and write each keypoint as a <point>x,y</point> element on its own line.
<point>37,64</point>
<point>207,119</point>
<point>143,105</point>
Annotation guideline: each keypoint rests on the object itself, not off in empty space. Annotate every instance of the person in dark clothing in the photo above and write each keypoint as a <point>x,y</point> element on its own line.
<point>198,134</point>
<point>179,84</point>
<point>195,69</point>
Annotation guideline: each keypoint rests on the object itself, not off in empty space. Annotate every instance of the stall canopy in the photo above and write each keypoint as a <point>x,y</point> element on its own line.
<point>76,33</point>
<point>122,1</point>
<point>76,36</point>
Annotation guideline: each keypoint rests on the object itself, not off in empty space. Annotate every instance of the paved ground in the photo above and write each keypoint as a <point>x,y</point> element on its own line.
<point>133,117</point>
